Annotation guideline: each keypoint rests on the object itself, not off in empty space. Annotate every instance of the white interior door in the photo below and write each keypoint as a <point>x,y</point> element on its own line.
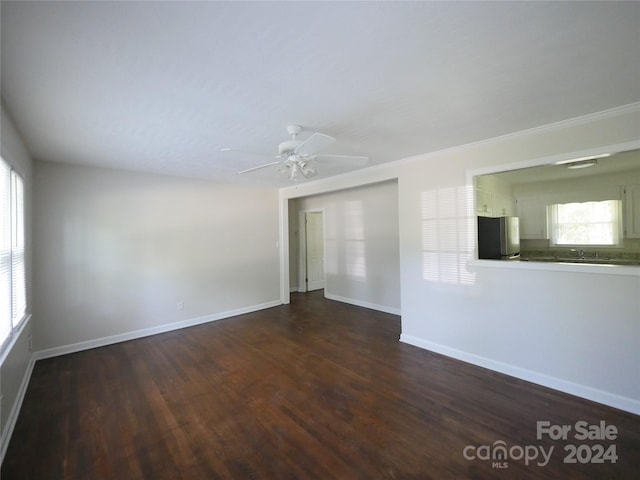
<point>314,235</point>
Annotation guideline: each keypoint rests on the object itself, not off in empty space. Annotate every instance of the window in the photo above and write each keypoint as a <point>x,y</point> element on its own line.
<point>12,269</point>
<point>587,223</point>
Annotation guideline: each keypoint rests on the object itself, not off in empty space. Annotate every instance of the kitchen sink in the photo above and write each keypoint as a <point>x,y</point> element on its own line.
<point>585,260</point>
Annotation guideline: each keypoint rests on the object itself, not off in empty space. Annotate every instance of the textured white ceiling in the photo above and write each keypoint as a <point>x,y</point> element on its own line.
<point>161,86</point>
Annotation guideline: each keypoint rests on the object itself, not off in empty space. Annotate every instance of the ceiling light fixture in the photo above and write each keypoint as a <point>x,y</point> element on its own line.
<point>582,164</point>
<point>581,159</point>
<point>295,167</point>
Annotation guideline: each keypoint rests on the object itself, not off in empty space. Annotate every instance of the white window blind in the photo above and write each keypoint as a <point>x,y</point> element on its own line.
<point>586,223</point>
<point>12,270</point>
<point>5,252</point>
<point>18,290</point>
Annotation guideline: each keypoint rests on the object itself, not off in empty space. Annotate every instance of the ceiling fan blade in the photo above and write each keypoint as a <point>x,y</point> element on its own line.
<point>313,144</point>
<point>259,167</point>
<point>346,160</point>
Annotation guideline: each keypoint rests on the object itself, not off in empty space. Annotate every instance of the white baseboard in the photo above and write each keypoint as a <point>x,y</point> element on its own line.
<point>600,396</point>
<point>123,337</point>
<point>7,429</point>
<point>361,303</point>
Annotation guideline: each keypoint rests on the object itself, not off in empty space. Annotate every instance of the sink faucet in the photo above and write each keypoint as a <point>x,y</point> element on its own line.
<point>579,252</point>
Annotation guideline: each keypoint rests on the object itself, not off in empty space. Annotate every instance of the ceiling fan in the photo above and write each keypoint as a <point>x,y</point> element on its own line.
<point>296,157</point>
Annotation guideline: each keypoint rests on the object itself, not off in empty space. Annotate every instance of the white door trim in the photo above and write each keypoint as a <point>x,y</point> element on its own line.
<point>283,248</point>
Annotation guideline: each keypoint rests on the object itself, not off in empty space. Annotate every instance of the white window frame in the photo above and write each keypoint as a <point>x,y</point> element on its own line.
<point>552,227</point>
<point>12,250</point>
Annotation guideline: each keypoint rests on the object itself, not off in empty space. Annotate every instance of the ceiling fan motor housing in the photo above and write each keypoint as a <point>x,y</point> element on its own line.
<point>294,130</point>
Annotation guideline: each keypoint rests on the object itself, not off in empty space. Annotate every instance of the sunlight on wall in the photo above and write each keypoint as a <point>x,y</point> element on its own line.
<point>355,254</point>
<point>74,258</point>
<point>448,235</point>
<point>331,255</point>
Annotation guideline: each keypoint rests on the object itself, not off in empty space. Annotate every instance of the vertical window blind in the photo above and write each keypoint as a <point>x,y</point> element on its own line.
<point>12,269</point>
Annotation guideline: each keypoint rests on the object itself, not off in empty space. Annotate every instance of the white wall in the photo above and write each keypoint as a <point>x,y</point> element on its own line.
<point>16,364</point>
<point>362,263</point>
<point>116,251</point>
<point>574,329</point>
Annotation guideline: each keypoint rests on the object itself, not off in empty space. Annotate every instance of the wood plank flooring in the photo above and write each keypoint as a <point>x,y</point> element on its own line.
<point>312,390</point>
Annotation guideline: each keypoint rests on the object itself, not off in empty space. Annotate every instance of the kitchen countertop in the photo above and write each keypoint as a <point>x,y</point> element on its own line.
<point>586,260</point>
<point>551,264</point>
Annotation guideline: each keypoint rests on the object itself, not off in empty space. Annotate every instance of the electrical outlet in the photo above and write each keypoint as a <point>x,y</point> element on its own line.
<point>180,306</point>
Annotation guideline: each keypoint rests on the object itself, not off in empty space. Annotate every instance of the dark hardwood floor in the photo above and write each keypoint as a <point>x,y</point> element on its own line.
<point>316,389</point>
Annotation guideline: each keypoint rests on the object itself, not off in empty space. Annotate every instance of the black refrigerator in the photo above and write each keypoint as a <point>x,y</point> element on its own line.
<point>498,238</point>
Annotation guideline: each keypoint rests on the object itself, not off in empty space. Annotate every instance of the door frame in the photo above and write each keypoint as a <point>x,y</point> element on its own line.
<point>302,248</point>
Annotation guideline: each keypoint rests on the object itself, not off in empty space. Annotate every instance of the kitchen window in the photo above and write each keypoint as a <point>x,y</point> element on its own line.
<point>596,223</point>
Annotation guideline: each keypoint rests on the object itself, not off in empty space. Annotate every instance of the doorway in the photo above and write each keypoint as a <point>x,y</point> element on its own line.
<point>312,251</point>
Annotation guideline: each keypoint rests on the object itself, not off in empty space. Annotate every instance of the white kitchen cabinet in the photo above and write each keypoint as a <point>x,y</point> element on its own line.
<point>533,218</point>
<point>490,204</point>
<point>484,202</point>
<point>502,205</point>
<point>632,211</point>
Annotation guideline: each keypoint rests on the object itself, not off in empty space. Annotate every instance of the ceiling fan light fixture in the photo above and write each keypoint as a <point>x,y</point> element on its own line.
<point>307,169</point>
<point>294,172</point>
<point>295,167</point>
<point>285,170</point>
